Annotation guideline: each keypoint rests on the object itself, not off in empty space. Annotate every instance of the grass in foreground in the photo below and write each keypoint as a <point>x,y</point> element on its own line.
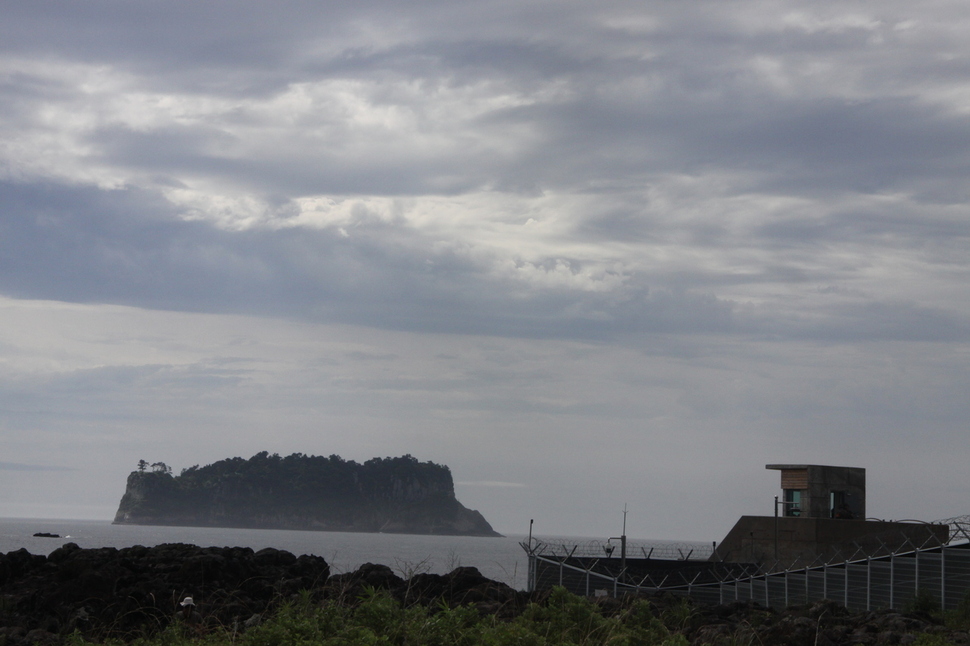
<point>561,619</point>
<point>378,619</point>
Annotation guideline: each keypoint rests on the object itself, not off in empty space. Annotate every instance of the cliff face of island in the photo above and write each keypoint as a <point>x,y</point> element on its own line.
<point>391,495</point>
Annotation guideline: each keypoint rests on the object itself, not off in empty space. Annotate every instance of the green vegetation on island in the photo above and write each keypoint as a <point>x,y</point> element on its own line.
<point>393,495</point>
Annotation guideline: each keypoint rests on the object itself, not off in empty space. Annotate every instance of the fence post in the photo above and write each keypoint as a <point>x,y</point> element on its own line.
<point>535,572</point>
<point>892,579</point>
<point>786,588</point>
<point>868,583</point>
<point>917,571</point>
<point>825,580</point>
<point>690,585</point>
<point>943,577</point>
<point>845,586</point>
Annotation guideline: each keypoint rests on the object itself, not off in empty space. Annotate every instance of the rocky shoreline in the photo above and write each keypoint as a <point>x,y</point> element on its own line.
<point>131,592</point>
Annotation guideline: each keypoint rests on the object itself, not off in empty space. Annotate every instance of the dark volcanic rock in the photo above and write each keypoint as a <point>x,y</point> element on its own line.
<point>110,592</point>
<point>461,586</point>
<point>824,623</point>
<point>125,593</point>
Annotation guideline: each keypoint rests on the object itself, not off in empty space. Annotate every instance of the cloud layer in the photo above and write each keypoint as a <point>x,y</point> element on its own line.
<point>747,211</point>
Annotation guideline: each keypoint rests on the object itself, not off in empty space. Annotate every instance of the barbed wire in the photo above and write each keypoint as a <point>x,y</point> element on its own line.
<point>959,528</point>
<point>692,550</point>
<point>670,551</point>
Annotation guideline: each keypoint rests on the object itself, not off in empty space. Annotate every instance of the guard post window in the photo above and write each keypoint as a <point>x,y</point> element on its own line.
<point>793,502</point>
<point>839,505</point>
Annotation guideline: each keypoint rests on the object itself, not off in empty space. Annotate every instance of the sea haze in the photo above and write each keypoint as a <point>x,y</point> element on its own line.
<point>501,559</point>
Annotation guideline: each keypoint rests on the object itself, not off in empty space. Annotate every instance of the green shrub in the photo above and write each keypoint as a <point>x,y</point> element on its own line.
<point>924,603</point>
<point>678,617</point>
<point>568,619</point>
<point>642,625</point>
<point>959,617</point>
<point>377,619</point>
<point>927,639</point>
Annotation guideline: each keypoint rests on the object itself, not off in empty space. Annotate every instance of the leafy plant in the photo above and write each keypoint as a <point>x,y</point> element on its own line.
<point>568,619</point>
<point>929,639</point>
<point>924,603</point>
<point>678,616</point>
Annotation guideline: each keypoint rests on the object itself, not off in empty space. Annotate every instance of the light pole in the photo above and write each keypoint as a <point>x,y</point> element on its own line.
<point>622,538</point>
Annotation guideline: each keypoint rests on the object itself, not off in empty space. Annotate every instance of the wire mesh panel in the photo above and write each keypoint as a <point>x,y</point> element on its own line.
<point>930,580</point>
<point>578,582</point>
<point>834,584</point>
<point>797,594</point>
<point>956,567</point>
<point>775,591</point>
<point>550,573</point>
<point>545,574</point>
<point>744,590</point>
<point>710,595</point>
<point>880,581</point>
<point>904,580</point>
<point>816,584</point>
<point>857,586</point>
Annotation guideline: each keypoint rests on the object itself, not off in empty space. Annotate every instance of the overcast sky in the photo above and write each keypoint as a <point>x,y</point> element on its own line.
<point>585,254</point>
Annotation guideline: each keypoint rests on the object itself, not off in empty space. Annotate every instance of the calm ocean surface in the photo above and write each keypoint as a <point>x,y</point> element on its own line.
<point>501,559</point>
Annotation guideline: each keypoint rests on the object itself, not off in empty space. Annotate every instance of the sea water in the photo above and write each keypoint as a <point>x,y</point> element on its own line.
<point>501,559</point>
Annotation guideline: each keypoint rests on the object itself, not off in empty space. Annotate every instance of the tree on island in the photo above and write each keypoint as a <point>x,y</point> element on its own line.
<point>161,467</point>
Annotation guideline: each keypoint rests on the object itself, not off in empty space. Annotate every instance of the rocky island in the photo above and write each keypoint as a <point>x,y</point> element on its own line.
<point>392,495</point>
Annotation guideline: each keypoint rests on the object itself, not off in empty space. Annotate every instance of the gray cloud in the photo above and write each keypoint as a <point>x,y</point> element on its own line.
<point>128,247</point>
<point>85,245</point>
<point>688,224</point>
